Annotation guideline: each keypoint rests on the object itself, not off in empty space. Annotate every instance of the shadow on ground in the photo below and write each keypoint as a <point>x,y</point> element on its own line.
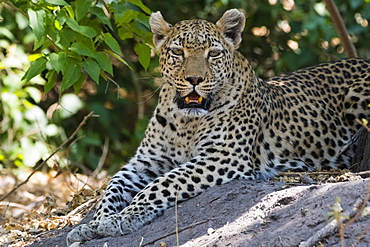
<point>245,213</point>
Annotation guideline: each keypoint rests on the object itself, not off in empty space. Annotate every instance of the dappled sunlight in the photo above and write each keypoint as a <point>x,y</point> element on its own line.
<point>360,20</point>
<point>293,45</point>
<point>288,4</point>
<point>284,25</point>
<point>286,217</point>
<point>260,31</point>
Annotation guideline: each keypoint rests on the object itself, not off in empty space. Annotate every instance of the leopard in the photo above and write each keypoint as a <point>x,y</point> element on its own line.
<point>216,121</point>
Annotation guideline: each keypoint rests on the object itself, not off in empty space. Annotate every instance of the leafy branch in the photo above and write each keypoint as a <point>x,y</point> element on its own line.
<point>77,39</point>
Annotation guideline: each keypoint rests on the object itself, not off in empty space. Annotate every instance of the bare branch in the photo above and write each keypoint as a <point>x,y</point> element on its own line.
<point>102,158</point>
<point>341,28</point>
<point>50,156</point>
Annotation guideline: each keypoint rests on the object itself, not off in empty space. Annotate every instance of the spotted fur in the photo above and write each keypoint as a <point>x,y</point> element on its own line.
<point>216,121</point>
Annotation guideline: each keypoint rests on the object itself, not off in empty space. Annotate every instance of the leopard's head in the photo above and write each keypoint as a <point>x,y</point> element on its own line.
<point>196,58</point>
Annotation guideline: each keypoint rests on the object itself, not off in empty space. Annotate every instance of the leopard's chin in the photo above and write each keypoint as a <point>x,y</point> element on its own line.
<point>193,112</point>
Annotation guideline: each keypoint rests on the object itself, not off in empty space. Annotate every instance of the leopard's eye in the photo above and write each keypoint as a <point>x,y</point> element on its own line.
<point>214,53</point>
<point>177,51</point>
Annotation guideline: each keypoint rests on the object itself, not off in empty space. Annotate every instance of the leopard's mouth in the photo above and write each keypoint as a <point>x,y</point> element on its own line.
<point>193,100</point>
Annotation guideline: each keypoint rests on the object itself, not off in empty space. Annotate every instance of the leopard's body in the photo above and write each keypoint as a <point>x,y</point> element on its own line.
<point>216,121</point>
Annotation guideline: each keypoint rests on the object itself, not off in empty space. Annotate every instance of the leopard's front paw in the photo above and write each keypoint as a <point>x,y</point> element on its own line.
<point>117,225</point>
<point>82,233</point>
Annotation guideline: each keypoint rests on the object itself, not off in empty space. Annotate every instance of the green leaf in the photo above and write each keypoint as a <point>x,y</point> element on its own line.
<point>104,62</point>
<point>78,84</point>
<point>21,20</point>
<point>34,93</point>
<point>119,58</point>
<point>81,49</point>
<point>144,20</point>
<point>70,11</point>
<point>84,30</point>
<point>66,36</point>
<point>141,5</point>
<point>61,16</point>
<point>58,60</point>
<point>119,10</point>
<point>138,30</point>
<point>320,9</point>
<point>127,17</point>
<point>36,68</point>
<point>125,32</point>
<point>72,23</point>
<point>57,2</point>
<point>58,25</point>
<point>112,43</point>
<point>101,16</point>
<point>92,68</point>
<point>42,42</point>
<point>37,22</point>
<point>87,31</point>
<point>143,51</point>
<point>5,32</point>
<point>51,76</point>
<point>71,74</point>
<point>82,7</point>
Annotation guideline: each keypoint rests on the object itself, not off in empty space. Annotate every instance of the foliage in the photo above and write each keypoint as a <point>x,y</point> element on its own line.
<point>283,35</point>
<point>77,56</point>
<point>73,42</point>
<point>80,36</point>
<point>343,220</point>
<point>19,112</point>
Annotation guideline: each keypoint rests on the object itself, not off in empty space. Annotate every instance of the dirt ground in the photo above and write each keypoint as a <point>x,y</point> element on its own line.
<point>247,213</point>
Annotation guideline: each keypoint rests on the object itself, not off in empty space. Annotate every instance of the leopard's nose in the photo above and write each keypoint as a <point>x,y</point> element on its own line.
<point>194,80</point>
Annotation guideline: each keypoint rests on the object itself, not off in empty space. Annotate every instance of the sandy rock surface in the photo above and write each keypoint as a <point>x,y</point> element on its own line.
<point>246,213</point>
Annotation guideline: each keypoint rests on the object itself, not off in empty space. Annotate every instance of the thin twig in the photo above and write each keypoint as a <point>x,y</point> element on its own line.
<point>341,231</point>
<point>139,93</point>
<point>141,242</point>
<point>102,158</point>
<point>176,217</point>
<point>341,28</point>
<point>330,228</point>
<point>14,205</point>
<point>360,208</point>
<point>363,124</point>
<point>10,5</point>
<point>115,83</point>
<point>50,156</point>
<point>86,206</point>
<point>327,230</point>
<point>79,180</point>
<point>358,239</point>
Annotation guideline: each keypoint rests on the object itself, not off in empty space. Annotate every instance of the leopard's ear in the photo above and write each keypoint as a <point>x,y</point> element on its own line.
<point>160,28</point>
<point>231,26</point>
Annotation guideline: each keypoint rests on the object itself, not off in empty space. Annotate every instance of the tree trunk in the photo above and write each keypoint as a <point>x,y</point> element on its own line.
<point>361,160</point>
